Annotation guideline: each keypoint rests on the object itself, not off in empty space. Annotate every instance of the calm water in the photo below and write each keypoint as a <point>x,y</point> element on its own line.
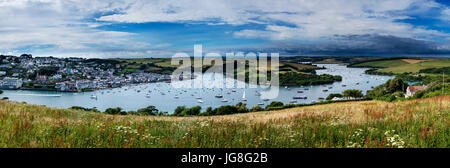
<point>163,95</point>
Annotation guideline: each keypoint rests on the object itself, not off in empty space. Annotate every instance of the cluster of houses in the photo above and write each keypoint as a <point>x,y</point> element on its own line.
<point>72,74</point>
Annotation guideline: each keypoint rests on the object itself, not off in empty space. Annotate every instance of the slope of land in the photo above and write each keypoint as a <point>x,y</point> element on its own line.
<point>404,65</point>
<point>415,123</point>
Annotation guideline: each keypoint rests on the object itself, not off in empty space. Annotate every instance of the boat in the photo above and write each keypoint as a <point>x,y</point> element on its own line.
<point>243,97</point>
<point>224,100</point>
<point>93,97</point>
<point>357,83</point>
<point>200,101</point>
<point>306,89</point>
<point>299,97</point>
<point>330,87</point>
<point>219,96</point>
<point>293,101</point>
<point>198,98</point>
<point>176,97</point>
<point>260,103</point>
<point>299,91</point>
<point>266,99</point>
<point>325,90</point>
<point>344,85</point>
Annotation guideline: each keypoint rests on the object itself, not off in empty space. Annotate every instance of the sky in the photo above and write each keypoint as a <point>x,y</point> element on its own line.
<point>161,28</point>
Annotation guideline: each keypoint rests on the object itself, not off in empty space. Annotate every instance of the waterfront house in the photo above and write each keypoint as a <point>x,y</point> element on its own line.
<point>411,90</point>
<point>11,83</point>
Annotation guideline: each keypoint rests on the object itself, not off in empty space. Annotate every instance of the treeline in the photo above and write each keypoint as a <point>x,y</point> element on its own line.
<point>298,79</point>
<point>355,64</point>
<point>445,70</point>
<point>148,111</point>
<point>407,76</point>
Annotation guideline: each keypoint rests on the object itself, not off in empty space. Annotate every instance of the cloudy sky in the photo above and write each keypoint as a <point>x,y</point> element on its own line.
<point>154,28</point>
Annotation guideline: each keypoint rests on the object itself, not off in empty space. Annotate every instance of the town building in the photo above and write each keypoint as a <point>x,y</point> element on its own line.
<point>411,90</point>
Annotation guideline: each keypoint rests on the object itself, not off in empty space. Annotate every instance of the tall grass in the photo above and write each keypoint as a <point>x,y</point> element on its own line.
<point>421,123</point>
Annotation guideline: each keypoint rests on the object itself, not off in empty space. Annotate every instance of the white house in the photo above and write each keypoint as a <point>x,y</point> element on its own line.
<point>411,90</point>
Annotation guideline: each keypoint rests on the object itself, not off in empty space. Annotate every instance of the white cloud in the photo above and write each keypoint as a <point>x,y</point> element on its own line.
<point>73,24</point>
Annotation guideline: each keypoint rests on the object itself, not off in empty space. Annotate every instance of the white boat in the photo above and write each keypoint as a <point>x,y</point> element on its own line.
<point>224,100</point>
<point>260,103</point>
<point>243,97</point>
<point>93,97</point>
<point>200,101</point>
<point>219,96</point>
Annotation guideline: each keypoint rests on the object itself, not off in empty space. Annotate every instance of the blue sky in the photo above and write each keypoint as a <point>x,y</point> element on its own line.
<point>160,28</point>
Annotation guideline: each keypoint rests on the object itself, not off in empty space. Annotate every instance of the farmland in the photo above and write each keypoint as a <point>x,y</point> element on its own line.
<point>400,65</point>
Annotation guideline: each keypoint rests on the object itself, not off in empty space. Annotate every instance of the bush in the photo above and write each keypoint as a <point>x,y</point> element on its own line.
<point>256,108</point>
<point>192,111</point>
<point>84,109</point>
<point>179,111</point>
<point>419,94</point>
<point>353,93</point>
<point>150,110</point>
<point>114,111</point>
<point>224,110</point>
<point>333,95</point>
<point>391,98</point>
<point>242,108</point>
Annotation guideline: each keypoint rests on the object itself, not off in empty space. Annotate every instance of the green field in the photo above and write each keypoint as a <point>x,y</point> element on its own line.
<point>422,123</point>
<point>405,65</point>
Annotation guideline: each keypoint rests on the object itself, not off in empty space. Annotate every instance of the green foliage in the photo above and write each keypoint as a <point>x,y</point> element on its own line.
<point>292,78</point>
<point>1,91</point>
<point>392,87</point>
<point>353,93</point>
<point>150,110</point>
<point>242,108</point>
<point>48,71</point>
<point>333,95</point>
<point>446,70</point>
<point>192,111</point>
<point>256,108</point>
<point>115,111</point>
<point>225,110</point>
<point>179,111</point>
<point>84,109</point>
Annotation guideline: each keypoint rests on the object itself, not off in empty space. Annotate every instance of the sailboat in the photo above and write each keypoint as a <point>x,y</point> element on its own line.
<point>243,97</point>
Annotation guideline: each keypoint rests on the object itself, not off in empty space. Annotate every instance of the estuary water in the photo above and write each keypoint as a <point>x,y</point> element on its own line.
<point>166,98</point>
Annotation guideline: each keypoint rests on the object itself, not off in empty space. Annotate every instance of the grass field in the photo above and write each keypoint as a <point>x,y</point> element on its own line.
<point>405,65</point>
<point>417,123</point>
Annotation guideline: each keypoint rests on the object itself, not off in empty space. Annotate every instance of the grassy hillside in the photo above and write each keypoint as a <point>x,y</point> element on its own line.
<point>405,65</point>
<point>416,123</point>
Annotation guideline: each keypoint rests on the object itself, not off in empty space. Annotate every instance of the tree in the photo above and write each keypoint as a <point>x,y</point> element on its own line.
<point>1,91</point>
<point>224,110</point>
<point>353,93</point>
<point>150,110</point>
<point>333,95</point>
<point>275,104</point>
<point>192,111</point>
<point>396,84</point>
<point>256,108</point>
<point>113,111</point>
<point>179,110</point>
<point>241,107</point>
